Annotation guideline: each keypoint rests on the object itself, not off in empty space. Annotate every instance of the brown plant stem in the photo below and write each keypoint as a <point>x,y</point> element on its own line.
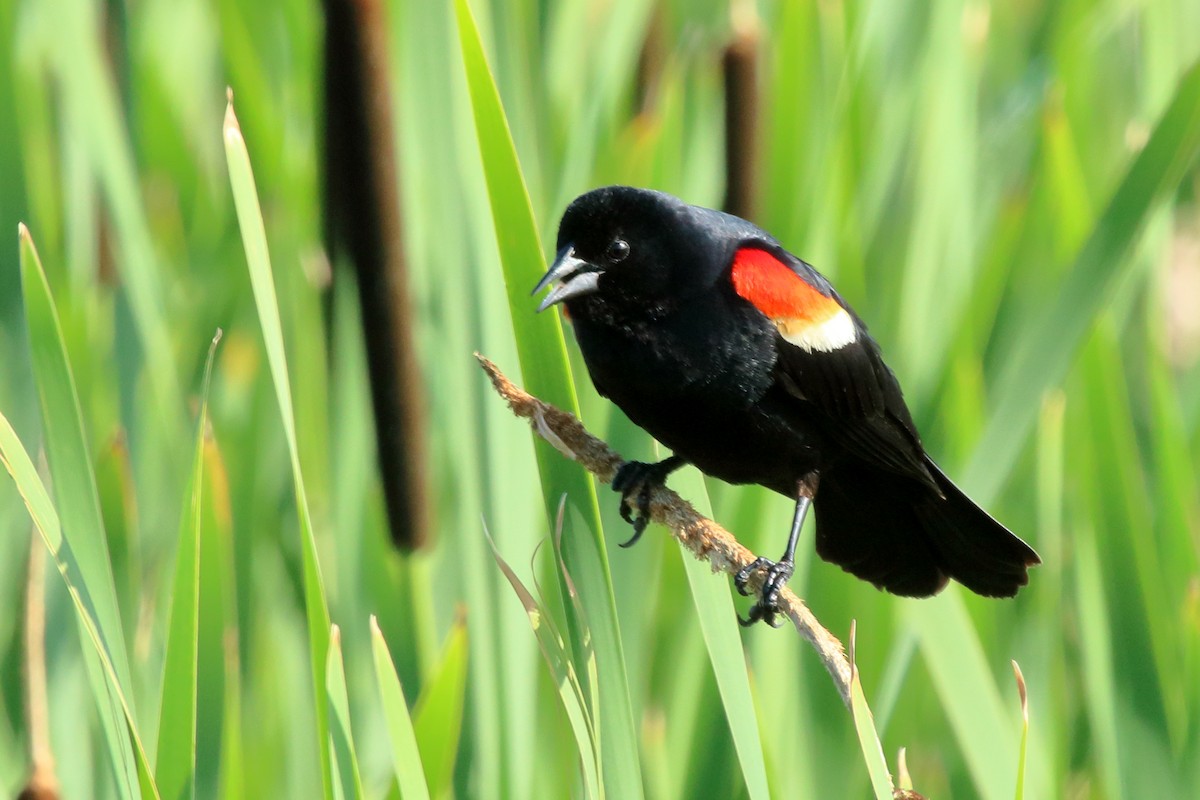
<point>43,782</point>
<point>363,220</point>
<point>705,538</point>
<point>739,66</point>
<point>652,61</point>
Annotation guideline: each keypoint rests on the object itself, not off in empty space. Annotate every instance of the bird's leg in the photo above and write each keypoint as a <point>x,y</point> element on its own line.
<point>777,572</point>
<point>642,477</point>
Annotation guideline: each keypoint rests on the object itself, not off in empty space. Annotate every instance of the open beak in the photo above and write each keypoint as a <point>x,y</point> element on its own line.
<point>575,278</point>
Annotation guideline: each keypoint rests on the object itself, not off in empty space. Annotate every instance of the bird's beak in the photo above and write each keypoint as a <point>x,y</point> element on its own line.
<point>575,278</point>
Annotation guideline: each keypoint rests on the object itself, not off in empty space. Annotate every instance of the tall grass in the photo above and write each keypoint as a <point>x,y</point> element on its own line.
<point>1006,192</point>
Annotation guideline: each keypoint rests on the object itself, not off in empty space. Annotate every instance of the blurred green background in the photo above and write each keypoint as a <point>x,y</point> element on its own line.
<point>1007,192</point>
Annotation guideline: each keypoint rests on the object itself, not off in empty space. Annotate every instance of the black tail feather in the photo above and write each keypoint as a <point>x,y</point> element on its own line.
<point>875,535</point>
<point>900,537</point>
<point>976,550</point>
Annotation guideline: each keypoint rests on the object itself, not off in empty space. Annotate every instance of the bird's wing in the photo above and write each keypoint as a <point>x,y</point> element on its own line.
<point>826,358</point>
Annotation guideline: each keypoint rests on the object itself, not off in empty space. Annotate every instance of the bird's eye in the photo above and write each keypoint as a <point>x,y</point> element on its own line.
<point>617,250</point>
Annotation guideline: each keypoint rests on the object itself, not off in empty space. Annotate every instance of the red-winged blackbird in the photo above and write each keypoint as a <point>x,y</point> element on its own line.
<point>745,362</point>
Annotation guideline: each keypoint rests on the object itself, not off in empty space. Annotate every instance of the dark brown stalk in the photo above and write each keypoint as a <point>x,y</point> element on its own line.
<point>652,60</point>
<point>740,67</point>
<point>362,208</point>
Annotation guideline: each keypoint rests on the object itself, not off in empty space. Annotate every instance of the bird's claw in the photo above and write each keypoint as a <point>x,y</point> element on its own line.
<point>639,522</point>
<point>642,477</point>
<point>766,608</point>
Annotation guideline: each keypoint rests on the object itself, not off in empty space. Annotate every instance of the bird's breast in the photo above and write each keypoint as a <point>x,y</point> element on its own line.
<point>708,352</point>
<point>702,382</point>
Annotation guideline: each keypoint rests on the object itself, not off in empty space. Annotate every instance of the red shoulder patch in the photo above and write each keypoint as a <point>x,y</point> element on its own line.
<point>777,291</point>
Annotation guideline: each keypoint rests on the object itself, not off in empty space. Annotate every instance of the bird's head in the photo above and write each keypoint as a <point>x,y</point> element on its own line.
<point>621,247</point>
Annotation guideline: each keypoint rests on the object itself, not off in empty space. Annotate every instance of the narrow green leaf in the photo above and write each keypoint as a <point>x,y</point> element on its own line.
<point>958,667</point>
<point>79,545</point>
<point>220,752</point>
<point>717,618</point>
<point>89,92</point>
<point>570,692</point>
<point>341,735</point>
<point>233,753</point>
<point>1177,503</point>
<point>540,342</point>
<point>129,759</point>
<point>437,720</point>
<point>406,757</point>
<point>864,727</point>
<point>68,456</point>
<point>254,240</point>
<point>546,372</point>
<point>1128,510</point>
<point>175,759</point>
<point>1100,686</point>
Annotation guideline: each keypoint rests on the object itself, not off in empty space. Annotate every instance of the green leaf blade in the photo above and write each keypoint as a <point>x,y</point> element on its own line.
<point>437,720</point>
<point>542,352</point>
<point>70,461</point>
<point>341,737</point>
<point>406,757</point>
<point>175,758</point>
<point>254,240</point>
<point>716,615</point>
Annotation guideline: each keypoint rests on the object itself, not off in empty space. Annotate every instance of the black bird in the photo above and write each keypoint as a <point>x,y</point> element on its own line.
<point>744,361</point>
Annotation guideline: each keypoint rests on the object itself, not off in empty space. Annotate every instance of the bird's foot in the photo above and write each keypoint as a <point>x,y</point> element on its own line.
<point>635,480</point>
<point>766,608</point>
